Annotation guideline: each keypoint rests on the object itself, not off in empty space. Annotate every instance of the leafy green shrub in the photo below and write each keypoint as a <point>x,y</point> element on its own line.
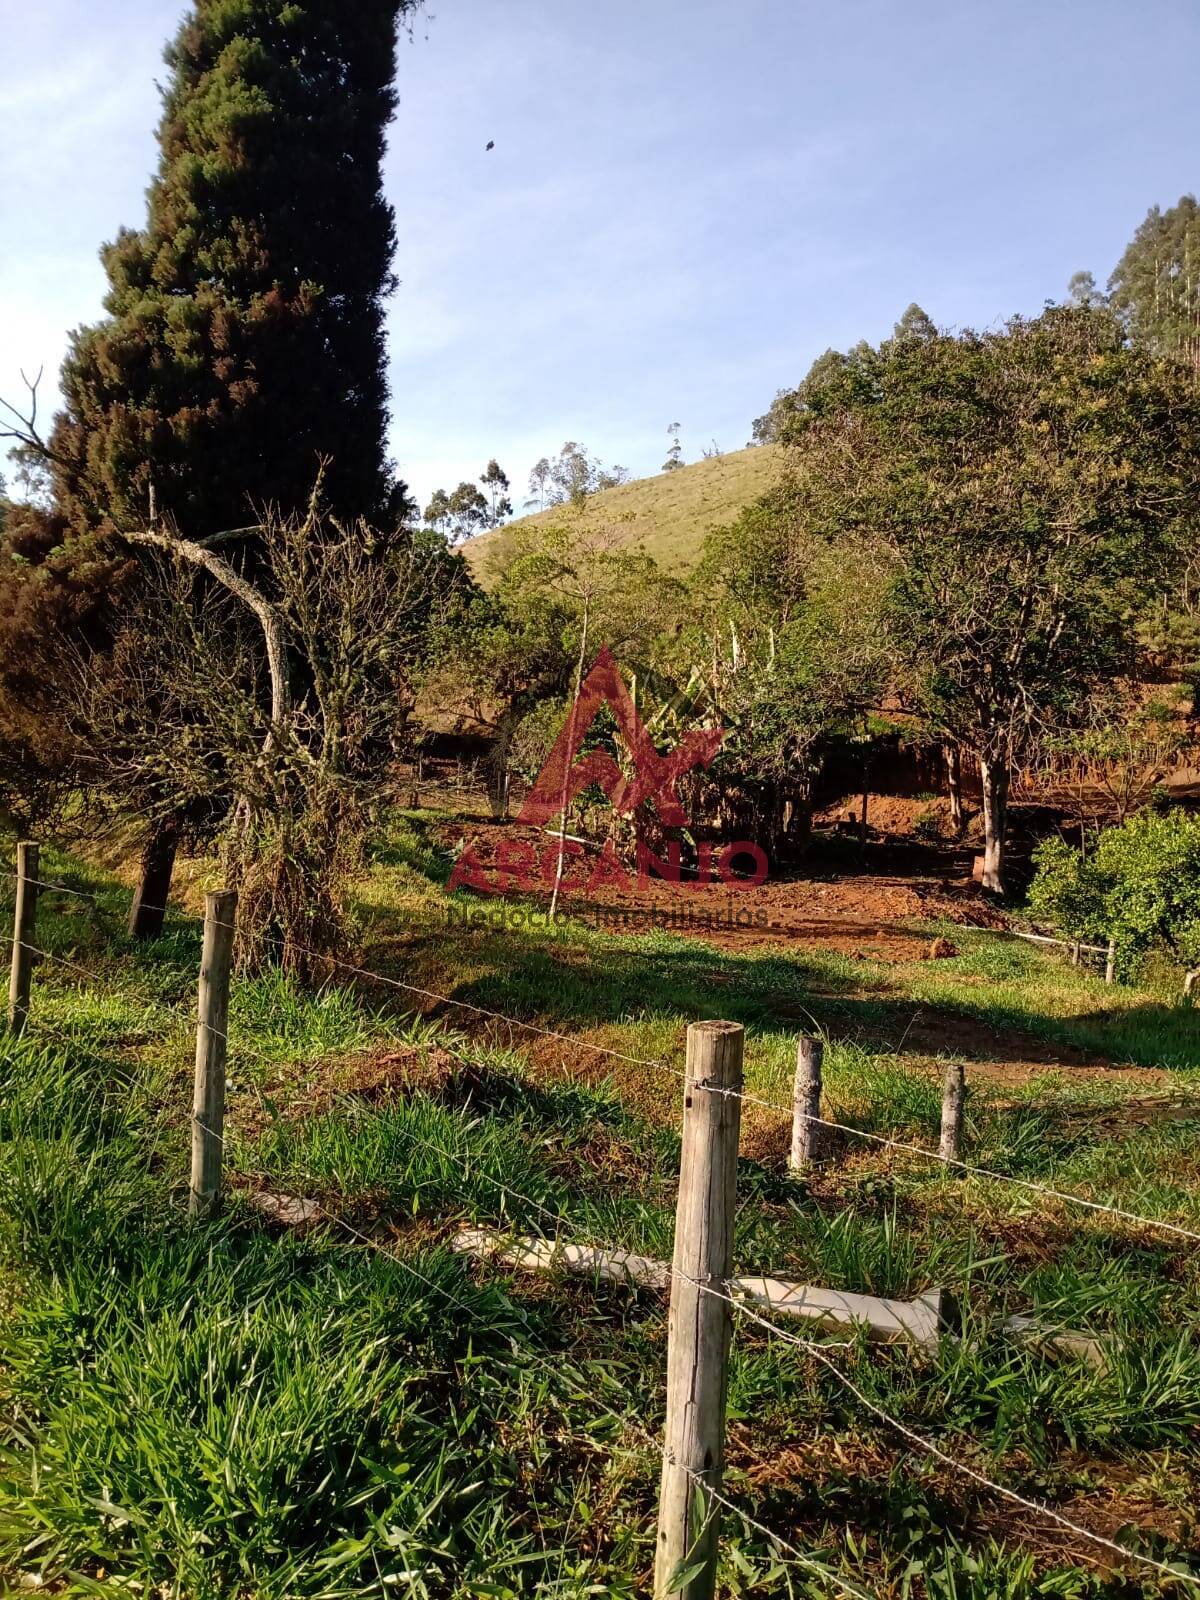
<point>534,736</point>
<point>1141,887</point>
<point>1066,894</point>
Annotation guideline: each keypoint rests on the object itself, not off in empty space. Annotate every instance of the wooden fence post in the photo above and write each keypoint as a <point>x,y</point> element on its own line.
<point>806,1103</point>
<point>208,1104</point>
<point>700,1323</point>
<point>954,1094</point>
<point>1110,962</point>
<point>24,932</point>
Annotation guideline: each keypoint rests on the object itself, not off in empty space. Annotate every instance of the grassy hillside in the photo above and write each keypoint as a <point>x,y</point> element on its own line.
<point>667,515</point>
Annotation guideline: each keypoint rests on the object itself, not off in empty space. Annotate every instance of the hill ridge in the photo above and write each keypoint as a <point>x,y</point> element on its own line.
<point>667,515</point>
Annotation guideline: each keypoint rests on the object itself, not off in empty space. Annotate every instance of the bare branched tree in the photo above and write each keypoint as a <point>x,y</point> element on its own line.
<point>268,691</point>
<point>279,704</point>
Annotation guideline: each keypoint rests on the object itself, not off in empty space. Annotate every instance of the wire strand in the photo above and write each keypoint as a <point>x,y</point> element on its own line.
<point>858,1133</point>
<point>809,1563</point>
<point>881,1140</point>
<point>815,1351</point>
<point>819,1351</point>
<point>1036,1506</point>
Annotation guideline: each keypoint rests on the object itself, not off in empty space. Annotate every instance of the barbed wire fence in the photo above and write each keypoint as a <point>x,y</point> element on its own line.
<point>706,1301</point>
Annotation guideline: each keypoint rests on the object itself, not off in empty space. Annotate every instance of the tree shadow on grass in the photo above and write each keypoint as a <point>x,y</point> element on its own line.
<point>578,981</point>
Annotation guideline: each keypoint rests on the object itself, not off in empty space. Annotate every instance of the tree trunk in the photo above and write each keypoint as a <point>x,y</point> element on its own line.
<point>780,816</point>
<point>954,783</point>
<point>150,898</point>
<point>800,821</point>
<point>562,827</point>
<point>994,771</point>
<point>499,774</point>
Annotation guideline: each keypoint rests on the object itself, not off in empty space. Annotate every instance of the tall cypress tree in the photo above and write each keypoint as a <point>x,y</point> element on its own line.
<point>244,340</point>
<point>243,346</point>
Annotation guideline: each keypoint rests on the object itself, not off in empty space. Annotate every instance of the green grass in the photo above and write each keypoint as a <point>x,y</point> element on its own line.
<point>1037,991</point>
<point>994,981</point>
<point>231,1408</point>
<point>219,1411</point>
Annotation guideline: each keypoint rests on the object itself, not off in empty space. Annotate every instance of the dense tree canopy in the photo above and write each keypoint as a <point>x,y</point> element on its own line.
<point>915,323</point>
<point>242,354</point>
<point>1024,487</point>
<point>459,513</point>
<point>561,593</point>
<point>784,634</point>
<point>778,422</point>
<point>496,485</point>
<point>570,476</point>
<point>1139,888</point>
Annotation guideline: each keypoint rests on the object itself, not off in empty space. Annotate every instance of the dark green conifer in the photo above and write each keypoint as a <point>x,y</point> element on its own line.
<point>244,340</point>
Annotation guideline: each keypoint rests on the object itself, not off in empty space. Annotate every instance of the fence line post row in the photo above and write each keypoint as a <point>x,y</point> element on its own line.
<point>24,931</point>
<point>700,1322</point>
<point>807,1142</point>
<point>212,1028</point>
<point>808,1134</point>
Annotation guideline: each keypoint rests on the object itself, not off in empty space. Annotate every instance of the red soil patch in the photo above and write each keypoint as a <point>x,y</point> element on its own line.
<point>858,916</point>
<point>855,915</point>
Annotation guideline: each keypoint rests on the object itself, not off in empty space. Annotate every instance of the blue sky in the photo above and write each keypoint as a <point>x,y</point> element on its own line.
<point>688,200</point>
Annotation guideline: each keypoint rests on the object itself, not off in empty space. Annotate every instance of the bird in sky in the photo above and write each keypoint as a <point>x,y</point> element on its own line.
<point>491,144</point>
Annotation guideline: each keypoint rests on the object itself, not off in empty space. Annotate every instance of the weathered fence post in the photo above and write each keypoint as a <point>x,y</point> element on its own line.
<point>700,1323</point>
<point>806,1103</point>
<point>24,930</point>
<point>208,1103</point>
<point>1110,962</point>
<point>954,1094</point>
